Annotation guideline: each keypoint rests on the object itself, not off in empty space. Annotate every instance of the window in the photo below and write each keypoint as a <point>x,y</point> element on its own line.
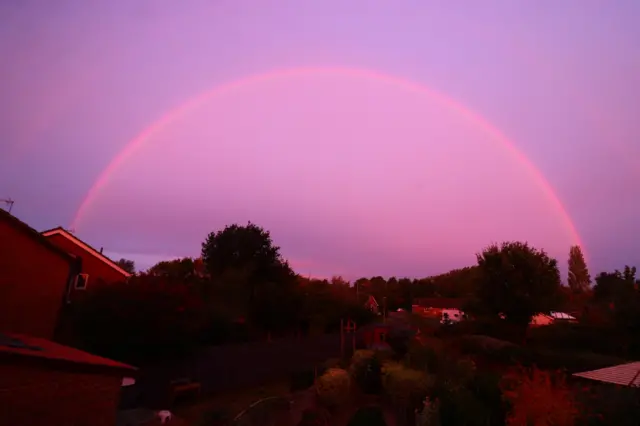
<point>81,281</point>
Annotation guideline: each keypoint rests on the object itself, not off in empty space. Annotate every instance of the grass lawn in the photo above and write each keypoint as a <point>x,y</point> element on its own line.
<point>230,403</point>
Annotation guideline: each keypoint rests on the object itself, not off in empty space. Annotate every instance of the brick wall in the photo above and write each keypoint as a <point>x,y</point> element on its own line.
<point>40,396</point>
<point>33,281</point>
<point>99,272</point>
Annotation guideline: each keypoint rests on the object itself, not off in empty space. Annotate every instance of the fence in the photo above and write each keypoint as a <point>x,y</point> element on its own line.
<point>222,368</point>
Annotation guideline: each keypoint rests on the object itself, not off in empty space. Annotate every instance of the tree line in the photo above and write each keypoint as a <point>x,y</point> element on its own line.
<point>241,288</point>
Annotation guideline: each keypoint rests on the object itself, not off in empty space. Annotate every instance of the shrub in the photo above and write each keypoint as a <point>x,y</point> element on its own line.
<point>538,398</point>
<point>368,416</point>
<point>406,387</point>
<point>314,417</point>
<point>361,356</point>
<point>608,405</point>
<point>572,362</point>
<point>429,357</point>
<point>578,337</point>
<point>333,388</point>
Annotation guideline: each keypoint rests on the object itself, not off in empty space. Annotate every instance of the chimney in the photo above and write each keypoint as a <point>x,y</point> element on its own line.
<point>101,248</point>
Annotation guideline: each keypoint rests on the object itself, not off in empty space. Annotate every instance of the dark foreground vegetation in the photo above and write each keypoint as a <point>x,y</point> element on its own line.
<point>492,368</point>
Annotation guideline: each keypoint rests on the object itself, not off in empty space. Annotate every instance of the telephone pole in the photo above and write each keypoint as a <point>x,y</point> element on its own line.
<point>9,202</point>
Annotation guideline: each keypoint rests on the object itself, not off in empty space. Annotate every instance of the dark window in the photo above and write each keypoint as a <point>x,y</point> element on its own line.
<point>81,281</point>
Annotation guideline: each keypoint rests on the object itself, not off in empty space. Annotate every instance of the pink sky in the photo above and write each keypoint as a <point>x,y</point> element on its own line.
<point>354,176</point>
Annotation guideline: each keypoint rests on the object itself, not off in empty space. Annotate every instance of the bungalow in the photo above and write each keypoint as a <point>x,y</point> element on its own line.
<point>46,383</point>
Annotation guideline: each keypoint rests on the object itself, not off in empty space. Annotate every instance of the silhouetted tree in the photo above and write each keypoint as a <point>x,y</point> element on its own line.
<point>127,265</point>
<point>245,261</point>
<point>579,279</point>
<point>517,281</point>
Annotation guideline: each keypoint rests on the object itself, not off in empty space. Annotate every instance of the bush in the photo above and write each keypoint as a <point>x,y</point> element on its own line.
<point>608,405</point>
<point>406,387</point>
<point>571,361</point>
<point>365,370</point>
<point>429,357</point>
<point>483,326</point>
<point>368,416</point>
<point>578,337</point>
<point>301,380</point>
<point>537,397</point>
<point>333,388</point>
<point>314,417</point>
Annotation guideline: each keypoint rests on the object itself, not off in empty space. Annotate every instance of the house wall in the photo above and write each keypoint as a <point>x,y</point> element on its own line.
<point>38,395</point>
<point>99,272</point>
<point>33,281</point>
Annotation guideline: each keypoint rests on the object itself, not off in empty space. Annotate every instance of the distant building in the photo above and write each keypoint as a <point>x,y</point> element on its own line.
<point>372,304</point>
<point>551,318</point>
<point>440,307</point>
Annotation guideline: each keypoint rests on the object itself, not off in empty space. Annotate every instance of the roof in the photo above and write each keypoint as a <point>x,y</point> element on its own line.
<point>20,347</point>
<point>35,235</point>
<point>440,302</point>
<point>372,300</point>
<point>561,316</point>
<point>86,247</point>
<point>623,374</point>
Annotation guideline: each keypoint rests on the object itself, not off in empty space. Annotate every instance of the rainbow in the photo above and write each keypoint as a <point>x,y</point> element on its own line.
<point>195,102</point>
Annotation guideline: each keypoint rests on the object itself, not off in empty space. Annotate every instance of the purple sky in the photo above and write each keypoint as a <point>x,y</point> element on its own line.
<point>353,174</point>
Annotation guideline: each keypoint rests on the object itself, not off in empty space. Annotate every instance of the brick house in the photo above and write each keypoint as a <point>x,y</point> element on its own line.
<point>42,382</point>
<point>97,269</point>
<point>35,279</point>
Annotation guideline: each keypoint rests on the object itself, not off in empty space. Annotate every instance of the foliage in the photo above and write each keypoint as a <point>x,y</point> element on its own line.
<point>361,357</point>
<point>368,416</point>
<point>538,398</point>
<point>245,260</point>
<point>517,281</point>
<point>314,417</point>
<point>615,287</point>
<point>429,415</point>
<point>578,337</point>
<point>139,320</point>
<point>128,265</point>
<point>333,388</point>
<point>406,387</point>
<point>301,380</point>
<point>244,248</point>
<point>579,279</point>
<point>603,405</point>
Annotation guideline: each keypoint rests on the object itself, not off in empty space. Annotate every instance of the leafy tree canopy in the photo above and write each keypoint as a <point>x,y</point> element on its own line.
<point>127,265</point>
<point>579,279</point>
<point>244,248</point>
<point>517,281</point>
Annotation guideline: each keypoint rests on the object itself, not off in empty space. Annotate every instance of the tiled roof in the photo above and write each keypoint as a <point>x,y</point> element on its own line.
<point>623,374</point>
<point>561,316</point>
<point>42,350</point>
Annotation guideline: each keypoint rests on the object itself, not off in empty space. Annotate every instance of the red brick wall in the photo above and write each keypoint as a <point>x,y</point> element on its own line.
<point>99,272</point>
<point>39,396</point>
<point>33,281</point>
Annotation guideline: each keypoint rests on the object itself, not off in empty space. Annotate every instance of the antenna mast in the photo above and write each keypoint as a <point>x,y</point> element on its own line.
<point>9,202</point>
